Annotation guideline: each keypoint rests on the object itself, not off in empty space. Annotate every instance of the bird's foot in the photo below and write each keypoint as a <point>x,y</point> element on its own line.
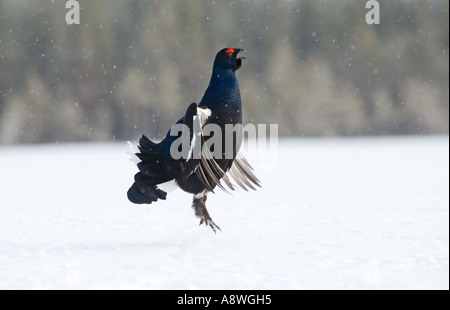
<point>200,211</point>
<point>209,222</point>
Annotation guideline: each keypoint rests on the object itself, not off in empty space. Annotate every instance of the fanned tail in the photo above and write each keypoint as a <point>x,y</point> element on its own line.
<point>144,188</point>
<point>156,165</point>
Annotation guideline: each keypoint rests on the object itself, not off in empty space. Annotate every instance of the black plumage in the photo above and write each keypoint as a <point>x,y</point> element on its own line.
<point>199,170</point>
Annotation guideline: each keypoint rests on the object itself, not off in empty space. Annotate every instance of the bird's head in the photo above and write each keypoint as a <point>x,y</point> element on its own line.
<point>227,58</point>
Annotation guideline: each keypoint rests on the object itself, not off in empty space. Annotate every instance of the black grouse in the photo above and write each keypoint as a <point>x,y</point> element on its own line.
<point>195,161</point>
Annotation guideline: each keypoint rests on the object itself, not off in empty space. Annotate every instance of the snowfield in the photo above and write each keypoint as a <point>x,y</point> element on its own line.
<point>357,213</point>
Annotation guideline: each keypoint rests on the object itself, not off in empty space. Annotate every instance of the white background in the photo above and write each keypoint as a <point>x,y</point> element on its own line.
<point>334,214</point>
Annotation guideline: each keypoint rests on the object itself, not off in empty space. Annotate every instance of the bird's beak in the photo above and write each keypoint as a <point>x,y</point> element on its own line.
<point>238,50</point>
<point>238,60</point>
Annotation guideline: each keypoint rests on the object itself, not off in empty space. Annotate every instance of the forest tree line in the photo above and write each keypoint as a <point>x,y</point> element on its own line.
<point>316,68</point>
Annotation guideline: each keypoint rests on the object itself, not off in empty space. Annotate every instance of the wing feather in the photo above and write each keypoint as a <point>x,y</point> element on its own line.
<point>242,170</point>
<point>207,169</point>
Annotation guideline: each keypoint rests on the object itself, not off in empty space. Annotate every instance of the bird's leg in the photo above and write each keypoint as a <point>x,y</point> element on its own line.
<point>200,211</point>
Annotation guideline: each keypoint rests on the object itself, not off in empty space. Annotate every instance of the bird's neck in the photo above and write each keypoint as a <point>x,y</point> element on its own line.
<point>223,91</point>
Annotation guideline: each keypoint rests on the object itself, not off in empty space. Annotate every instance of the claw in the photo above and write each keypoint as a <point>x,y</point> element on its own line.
<point>213,225</point>
<point>210,223</point>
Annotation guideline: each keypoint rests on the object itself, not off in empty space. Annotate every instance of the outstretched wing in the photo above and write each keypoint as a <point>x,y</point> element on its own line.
<point>201,162</point>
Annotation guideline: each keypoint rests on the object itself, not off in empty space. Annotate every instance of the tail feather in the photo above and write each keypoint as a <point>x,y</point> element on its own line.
<point>147,169</point>
<point>136,196</point>
<point>142,192</point>
<point>147,148</point>
<point>155,167</point>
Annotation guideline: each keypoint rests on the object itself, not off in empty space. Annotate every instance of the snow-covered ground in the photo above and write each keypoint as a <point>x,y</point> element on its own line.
<point>335,214</point>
